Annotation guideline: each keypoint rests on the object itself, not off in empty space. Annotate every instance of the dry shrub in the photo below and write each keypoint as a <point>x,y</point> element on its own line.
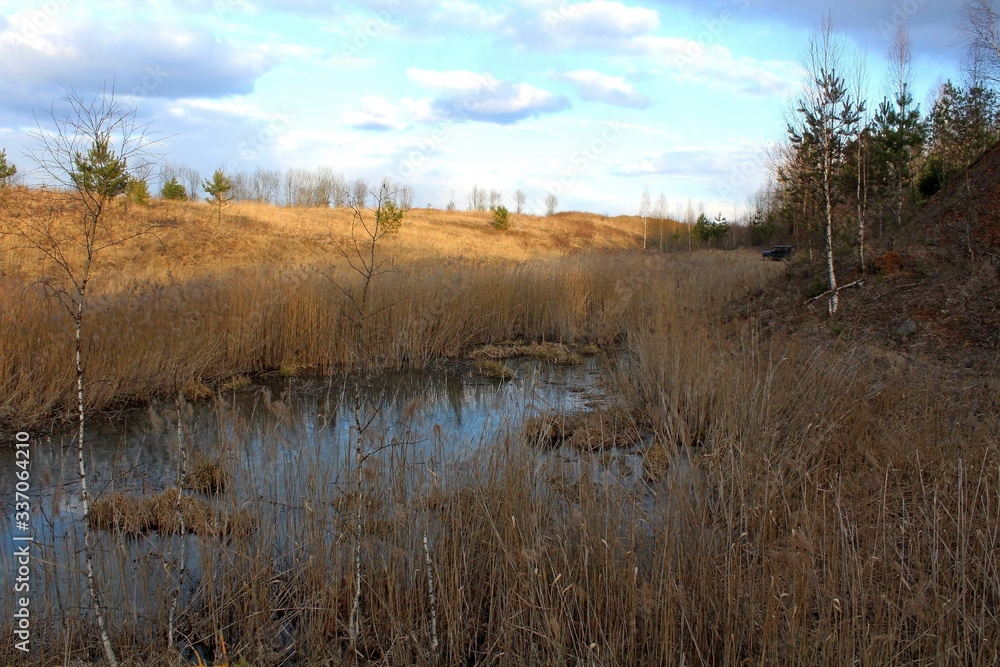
<point>889,263</point>
<point>495,370</point>
<point>207,475</point>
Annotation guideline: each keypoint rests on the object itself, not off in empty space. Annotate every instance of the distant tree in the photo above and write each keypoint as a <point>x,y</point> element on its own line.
<point>496,198</point>
<point>406,195</point>
<point>138,191</point>
<point>661,213</point>
<point>501,218</point>
<point>645,208</point>
<point>551,202</point>
<point>7,171</point>
<point>710,231</point>
<point>452,206</point>
<point>477,198</point>
<point>359,194</point>
<point>173,190</point>
<point>218,190</point>
<point>519,200</point>
<point>191,179</point>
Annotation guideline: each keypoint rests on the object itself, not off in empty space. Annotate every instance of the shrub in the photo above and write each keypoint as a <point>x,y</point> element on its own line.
<point>174,191</point>
<point>501,218</point>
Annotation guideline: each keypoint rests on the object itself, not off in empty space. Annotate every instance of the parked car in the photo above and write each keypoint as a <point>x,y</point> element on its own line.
<point>778,252</point>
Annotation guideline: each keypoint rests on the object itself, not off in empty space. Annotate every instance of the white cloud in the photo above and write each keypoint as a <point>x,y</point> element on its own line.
<point>600,20</point>
<point>467,95</point>
<point>452,81</point>
<point>597,87</point>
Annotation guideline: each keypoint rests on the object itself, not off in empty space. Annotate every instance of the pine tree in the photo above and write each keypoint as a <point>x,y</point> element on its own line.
<point>174,191</point>
<point>898,134</point>
<point>218,190</point>
<point>7,171</point>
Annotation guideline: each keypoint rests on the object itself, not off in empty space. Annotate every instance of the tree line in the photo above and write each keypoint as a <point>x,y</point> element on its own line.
<point>855,165</point>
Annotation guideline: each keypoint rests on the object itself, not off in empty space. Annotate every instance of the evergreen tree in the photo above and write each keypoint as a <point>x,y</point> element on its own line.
<point>218,190</point>
<point>898,135</point>
<point>962,125</point>
<point>138,192</point>
<point>100,174</point>
<point>7,171</point>
<point>830,120</point>
<point>174,191</point>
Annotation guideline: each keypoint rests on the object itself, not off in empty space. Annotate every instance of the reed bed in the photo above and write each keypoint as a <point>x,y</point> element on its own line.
<point>804,504</point>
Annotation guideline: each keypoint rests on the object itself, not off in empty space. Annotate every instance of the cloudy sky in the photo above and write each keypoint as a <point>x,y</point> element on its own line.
<point>592,100</point>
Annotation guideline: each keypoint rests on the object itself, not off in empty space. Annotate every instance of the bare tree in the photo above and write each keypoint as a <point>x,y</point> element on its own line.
<point>645,208</point>
<point>551,202</point>
<point>359,195</point>
<point>661,213</point>
<point>375,215</point>
<point>406,195</point>
<point>519,200</point>
<point>87,153</point>
<point>981,26</point>
<point>477,198</point>
<point>496,199</point>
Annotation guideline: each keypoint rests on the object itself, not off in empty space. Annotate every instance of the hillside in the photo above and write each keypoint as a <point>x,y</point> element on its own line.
<point>925,295</point>
<point>189,242</point>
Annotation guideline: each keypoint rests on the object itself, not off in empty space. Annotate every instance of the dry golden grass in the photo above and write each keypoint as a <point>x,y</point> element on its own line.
<point>839,505</point>
<point>196,303</point>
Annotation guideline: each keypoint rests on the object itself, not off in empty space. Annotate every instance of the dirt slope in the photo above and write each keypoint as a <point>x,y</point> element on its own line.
<point>934,296</point>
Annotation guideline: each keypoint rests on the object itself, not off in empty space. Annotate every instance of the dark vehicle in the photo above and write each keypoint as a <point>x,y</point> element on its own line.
<point>778,252</point>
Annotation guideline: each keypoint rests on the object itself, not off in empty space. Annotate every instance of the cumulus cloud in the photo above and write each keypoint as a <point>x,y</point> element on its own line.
<point>715,65</point>
<point>594,86</point>
<point>145,59</point>
<point>481,97</point>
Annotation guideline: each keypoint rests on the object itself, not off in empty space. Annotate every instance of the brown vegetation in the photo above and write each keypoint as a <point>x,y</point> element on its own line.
<point>837,502</point>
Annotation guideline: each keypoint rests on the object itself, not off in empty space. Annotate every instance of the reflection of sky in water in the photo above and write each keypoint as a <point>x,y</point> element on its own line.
<point>274,442</point>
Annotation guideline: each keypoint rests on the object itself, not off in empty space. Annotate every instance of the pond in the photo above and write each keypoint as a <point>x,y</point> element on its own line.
<point>285,452</point>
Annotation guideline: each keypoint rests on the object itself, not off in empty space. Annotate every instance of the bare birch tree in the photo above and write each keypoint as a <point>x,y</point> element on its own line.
<point>829,118</point>
<point>86,152</point>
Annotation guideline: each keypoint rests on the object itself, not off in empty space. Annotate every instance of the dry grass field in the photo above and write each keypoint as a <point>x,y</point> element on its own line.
<point>194,301</point>
<point>807,503</point>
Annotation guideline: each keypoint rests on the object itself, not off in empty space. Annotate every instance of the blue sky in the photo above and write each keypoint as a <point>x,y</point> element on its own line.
<point>592,100</point>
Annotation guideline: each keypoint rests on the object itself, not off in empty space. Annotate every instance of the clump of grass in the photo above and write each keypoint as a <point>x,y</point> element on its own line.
<point>596,430</point>
<point>207,475</point>
<point>590,350</point>
<point>656,462</point>
<point>555,353</point>
<point>494,370</point>
<point>196,390</point>
<point>236,383</point>
<point>136,516</point>
<point>549,430</point>
<point>292,367</point>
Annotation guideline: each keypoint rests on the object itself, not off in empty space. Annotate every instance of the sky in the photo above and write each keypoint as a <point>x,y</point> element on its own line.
<point>594,101</point>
